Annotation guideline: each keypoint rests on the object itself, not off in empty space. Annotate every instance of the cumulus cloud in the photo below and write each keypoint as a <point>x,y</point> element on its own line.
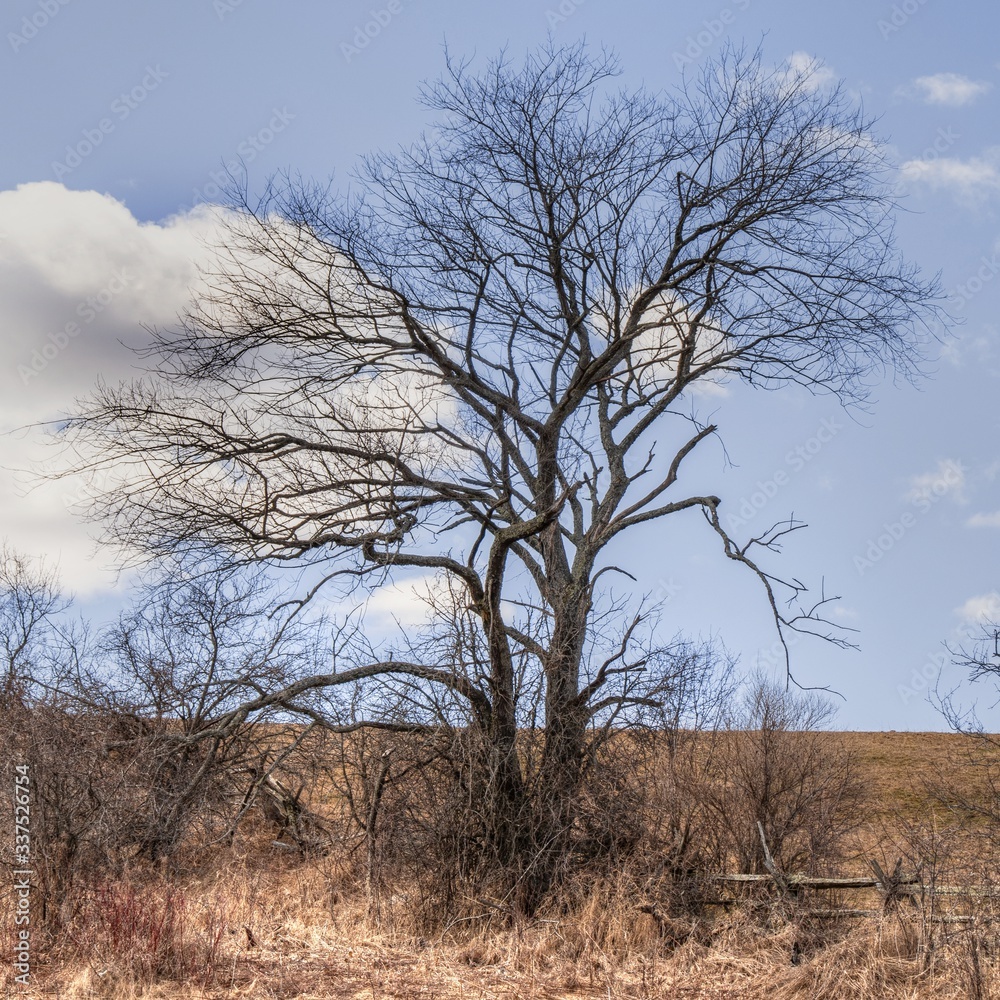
<point>971,180</point>
<point>980,609</point>
<point>809,71</point>
<point>948,479</point>
<point>652,362</point>
<point>950,89</point>
<point>80,277</point>
<point>408,603</point>
<point>403,603</point>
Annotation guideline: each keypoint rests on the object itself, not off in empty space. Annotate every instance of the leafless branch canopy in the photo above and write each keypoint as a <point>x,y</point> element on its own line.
<point>485,363</point>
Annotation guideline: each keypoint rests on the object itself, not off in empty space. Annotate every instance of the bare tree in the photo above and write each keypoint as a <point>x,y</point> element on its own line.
<point>120,728</point>
<point>189,651</point>
<point>776,767</point>
<point>481,365</point>
<point>979,659</point>
<point>30,608</point>
<point>64,750</point>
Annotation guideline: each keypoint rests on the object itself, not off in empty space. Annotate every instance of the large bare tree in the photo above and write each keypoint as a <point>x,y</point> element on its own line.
<point>481,363</point>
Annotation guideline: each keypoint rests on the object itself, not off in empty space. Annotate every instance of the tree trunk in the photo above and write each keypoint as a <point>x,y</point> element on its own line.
<point>553,808</point>
<point>371,823</point>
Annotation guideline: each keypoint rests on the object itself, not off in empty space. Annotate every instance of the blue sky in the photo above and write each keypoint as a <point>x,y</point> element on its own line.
<point>121,116</point>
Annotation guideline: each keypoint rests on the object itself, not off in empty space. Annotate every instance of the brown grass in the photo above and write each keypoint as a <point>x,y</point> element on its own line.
<point>254,921</point>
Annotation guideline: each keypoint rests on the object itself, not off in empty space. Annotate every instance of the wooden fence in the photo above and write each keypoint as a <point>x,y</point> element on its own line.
<point>894,889</point>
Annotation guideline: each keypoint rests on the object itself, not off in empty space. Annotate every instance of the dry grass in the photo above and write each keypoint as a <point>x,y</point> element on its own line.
<point>300,944</point>
<point>258,922</point>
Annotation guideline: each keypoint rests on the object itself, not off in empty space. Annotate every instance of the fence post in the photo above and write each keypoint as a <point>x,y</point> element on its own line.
<point>779,880</point>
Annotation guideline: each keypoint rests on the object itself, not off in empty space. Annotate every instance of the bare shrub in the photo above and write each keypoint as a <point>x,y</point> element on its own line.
<point>31,607</point>
<point>773,766</point>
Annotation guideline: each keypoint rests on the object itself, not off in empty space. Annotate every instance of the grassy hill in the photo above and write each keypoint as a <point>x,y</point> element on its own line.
<point>256,918</point>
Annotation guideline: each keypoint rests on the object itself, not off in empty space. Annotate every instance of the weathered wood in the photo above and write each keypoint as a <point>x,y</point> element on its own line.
<point>945,918</point>
<point>823,883</point>
<point>879,874</point>
<point>779,879</point>
<point>962,890</point>
<point>813,882</point>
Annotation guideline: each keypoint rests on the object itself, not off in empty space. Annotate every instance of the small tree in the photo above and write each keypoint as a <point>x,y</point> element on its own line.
<point>119,729</point>
<point>980,798</point>
<point>62,751</point>
<point>30,608</point>
<point>482,365</point>
<point>777,770</point>
<point>173,673</point>
<point>979,657</point>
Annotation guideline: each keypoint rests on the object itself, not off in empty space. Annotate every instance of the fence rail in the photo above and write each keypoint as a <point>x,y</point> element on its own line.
<point>813,882</point>
<point>894,888</point>
<point>910,886</point>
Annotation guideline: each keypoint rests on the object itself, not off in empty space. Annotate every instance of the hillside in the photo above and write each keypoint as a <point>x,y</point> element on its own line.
<point>259,920</point>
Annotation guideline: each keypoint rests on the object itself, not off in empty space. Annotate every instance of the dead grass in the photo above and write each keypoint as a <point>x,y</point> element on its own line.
<point>282,937</point>
<point>258,922</point>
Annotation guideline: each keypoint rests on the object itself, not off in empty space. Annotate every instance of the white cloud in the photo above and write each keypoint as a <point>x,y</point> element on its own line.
<point>984,520</point>
<point>809,72</point>
<point>79,275</point>
<point>980,609</point>
<point>948,479</point>
<point>970,179</point>
<point>413,601</point>
<point>404,603</point>
<point>652,362</point>
<point>961,351</point>
<point>951,89</point>
<point>80,278</point>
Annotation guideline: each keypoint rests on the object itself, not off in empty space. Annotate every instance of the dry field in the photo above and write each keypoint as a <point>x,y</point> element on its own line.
<point>257,920</point>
